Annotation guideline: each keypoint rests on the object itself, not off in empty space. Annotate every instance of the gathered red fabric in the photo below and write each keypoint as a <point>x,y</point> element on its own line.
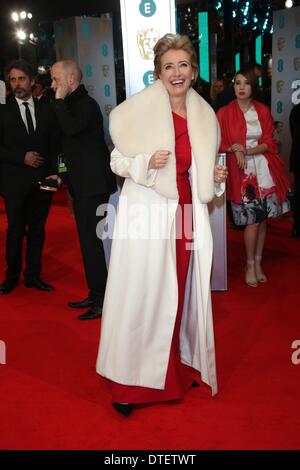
<point>234,131</point>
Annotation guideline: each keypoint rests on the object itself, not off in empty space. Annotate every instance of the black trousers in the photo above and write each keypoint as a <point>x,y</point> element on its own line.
<point>26,215</point>
<point>91,245</point>
<point>296,203</point>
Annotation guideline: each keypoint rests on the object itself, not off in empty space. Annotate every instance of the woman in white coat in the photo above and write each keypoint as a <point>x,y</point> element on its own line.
<point>157,329</point>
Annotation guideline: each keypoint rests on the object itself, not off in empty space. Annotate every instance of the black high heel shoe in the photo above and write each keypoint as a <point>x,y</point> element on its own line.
<point>124,409</point>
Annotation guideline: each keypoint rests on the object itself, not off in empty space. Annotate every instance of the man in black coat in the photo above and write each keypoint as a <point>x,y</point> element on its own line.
<point>295,166</point>
<point>89,177</point>
<point>28,137</point>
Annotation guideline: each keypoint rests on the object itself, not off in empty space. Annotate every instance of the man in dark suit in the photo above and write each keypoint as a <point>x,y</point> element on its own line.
<point>89,177</point>
<point>295,167</point>
<point>27,154</point>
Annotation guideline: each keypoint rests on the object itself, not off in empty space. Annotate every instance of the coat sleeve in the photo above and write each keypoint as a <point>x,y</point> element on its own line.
<point>54,146</point>
<point>135,168</point>
<point>219,188</point>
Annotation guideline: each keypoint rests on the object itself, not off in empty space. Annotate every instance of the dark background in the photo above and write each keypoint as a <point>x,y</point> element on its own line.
<point>232,36</point>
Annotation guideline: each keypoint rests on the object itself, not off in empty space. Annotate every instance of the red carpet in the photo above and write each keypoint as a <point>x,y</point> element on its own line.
<point>51,397</point>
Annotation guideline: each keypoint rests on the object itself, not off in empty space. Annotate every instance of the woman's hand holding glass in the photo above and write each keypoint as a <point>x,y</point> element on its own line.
<point>221,173</point>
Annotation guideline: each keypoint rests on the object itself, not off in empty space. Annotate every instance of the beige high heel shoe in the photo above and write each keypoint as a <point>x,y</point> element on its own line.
<point>249,279</point>
<point>261,277</point>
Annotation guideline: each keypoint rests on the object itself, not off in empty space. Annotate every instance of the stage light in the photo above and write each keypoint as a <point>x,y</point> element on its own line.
<point>289,3</point>
<point>21,35</point>
<point>15,16</point>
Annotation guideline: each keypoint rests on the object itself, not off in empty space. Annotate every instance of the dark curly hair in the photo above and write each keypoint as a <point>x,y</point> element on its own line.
<point>20,64</point>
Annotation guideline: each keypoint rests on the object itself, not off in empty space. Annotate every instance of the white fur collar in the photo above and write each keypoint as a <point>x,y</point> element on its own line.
<point>143,124</point>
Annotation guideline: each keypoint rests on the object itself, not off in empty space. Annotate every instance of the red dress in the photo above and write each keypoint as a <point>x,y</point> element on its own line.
<point>179,377</point>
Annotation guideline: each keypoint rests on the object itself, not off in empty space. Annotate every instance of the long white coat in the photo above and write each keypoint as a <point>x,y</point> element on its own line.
<point>141,297</point>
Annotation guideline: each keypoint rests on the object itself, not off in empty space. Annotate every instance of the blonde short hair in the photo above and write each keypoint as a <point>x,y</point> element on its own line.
<point>176,42</point>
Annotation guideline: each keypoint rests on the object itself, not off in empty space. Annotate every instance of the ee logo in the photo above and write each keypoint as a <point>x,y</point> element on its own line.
<point>280,65</point>
<point>104,49</point>
<point>85,29</point>
<point>88,70</point>
<point>147,8</point>
<point>281,22</point>
<point>107,90</point>
<point>148,78</point>
<point>279,107</point>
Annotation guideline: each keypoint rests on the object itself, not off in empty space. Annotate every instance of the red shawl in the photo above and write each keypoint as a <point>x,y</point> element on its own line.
<point>234,130</point>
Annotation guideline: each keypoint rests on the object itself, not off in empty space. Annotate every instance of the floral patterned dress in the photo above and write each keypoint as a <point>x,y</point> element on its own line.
<point>258,188</point>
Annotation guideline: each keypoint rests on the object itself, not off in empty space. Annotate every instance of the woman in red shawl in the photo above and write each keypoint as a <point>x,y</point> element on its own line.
<point>257,183</point>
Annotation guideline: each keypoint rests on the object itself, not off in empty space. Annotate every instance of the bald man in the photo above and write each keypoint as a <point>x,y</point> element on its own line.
<point>89,177</point>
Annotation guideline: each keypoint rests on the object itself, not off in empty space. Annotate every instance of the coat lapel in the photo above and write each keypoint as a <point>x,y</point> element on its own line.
<point>38,116</point>
<point>20,124</point>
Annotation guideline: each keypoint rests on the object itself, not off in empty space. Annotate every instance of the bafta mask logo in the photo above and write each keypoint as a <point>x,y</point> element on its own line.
<point>280,43</point>
<point>86,49</point>
<point>105,70</point>
<point>90,89</point>
<point>104,27</point>
<point>108,108</point>
<point>278,127</point>
<point>296,64</point>
<point>146,39</point>
<point>279,86</point>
